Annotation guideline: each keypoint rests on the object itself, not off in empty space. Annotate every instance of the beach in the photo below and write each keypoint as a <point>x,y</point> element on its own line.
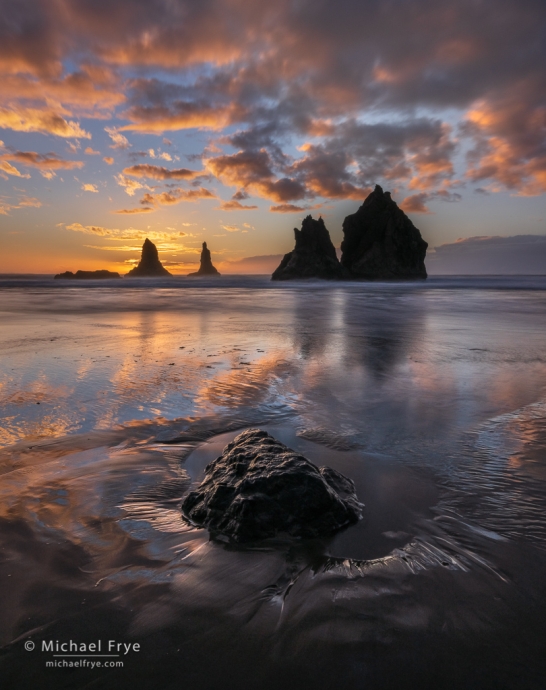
<point>429,395</point>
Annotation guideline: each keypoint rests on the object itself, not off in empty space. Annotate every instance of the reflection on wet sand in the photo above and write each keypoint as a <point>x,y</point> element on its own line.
<point>428,402</point>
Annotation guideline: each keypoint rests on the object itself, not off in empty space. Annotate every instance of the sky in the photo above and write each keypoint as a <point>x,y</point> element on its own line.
<point>229,121</point>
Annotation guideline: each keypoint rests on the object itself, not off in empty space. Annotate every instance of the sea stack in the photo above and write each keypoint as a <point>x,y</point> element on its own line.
<point>206,268</point>
<point>314,255</point>
<point>149,265</point>
<point>259,489</point>
<point>381,243</point>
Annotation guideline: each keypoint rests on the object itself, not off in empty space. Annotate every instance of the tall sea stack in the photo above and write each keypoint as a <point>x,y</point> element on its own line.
<point>314,255</point>
<point>381,243</point>
<point>149,265</point>
<point>206,268</point>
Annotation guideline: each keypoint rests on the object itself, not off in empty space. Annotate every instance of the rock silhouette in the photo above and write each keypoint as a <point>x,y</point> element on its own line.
<point>206,268</point>
<point>258,489</point>
<point>149,264</point>
<point>381,243</point>
<point>314,255</point>
<point>87,275</point>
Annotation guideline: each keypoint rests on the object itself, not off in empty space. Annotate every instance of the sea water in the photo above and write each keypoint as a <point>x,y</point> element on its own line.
<point>431,396</point>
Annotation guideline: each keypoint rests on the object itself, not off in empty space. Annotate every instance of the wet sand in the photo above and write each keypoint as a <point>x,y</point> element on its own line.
<point>430,400</point>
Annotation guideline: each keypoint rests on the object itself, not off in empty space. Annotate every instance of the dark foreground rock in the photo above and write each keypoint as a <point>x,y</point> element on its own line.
<point>87,275</point>
<point>314,255</point>
<point>149,266</point>
<point>381,243</point>
<point>206,268</point>
<point>258,488</point>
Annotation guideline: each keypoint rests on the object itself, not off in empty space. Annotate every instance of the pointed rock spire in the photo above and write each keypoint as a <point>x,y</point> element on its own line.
<point>381,243</point>
<point>206,268</point>
<point>314,255</point>
<point>149,264</point>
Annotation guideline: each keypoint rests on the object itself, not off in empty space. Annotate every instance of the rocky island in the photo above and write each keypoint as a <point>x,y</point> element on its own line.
<point>314,255</point>
<point>149,266</point>
<point>258,489</point>
<point>206,268</point>
<point>381,243</point>
<point>87,275</point>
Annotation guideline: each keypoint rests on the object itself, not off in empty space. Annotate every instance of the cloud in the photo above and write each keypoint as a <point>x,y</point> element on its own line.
<point>30,201</point>
<point>156,119</point>
<point>288,208</point>
<point>235,206</point>
<point>120,141</point>
<point>130,186</point>
<point>516,255</point>
<point>134,234</point>
<point>91,152</point>
<point>165,156</point>
<point>109,160</point>
<point>416,203</point>
<point>87,187</point>
<point>175,196</point>
<point>43,161</point>
<point>21,119</point>
<point>254,170</point>
<point>6,167</point>
<point>159,173</point>
<point>23,202</point>
<point>144,209</point>
<point>319,75</point>
<point>509,134</point>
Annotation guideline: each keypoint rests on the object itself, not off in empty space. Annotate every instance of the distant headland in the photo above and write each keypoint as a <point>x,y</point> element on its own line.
<point>87,275</point>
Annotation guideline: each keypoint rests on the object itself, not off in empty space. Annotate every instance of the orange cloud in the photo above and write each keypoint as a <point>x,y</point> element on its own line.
<point>6,167</point>
<point>252,170</point>
<point>144,209</point>
<point>129,185</point>
<point>160,173</point>
<point>30,201</point>
<point>88,187</point>
<point>21,119</point>
<point>120,142</point>
<point>91,91</point>
<point>287,208</point>
<point>126,234</point>
<point>177,195</point>
<point>415,204</point>
<point>509,144</point>
<point>25,201</point>
<point>187,115</point>
<point>46,161</point>
<point>235,206</point>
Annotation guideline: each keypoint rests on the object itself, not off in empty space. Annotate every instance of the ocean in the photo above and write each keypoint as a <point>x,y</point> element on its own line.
<point>430,396</point>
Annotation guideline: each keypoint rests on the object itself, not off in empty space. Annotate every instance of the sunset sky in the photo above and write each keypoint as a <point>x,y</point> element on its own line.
<point>230,120</point>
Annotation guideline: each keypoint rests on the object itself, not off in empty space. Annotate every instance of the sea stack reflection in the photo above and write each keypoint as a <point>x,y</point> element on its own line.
<point>206,268</point>
<point>149,266</point>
